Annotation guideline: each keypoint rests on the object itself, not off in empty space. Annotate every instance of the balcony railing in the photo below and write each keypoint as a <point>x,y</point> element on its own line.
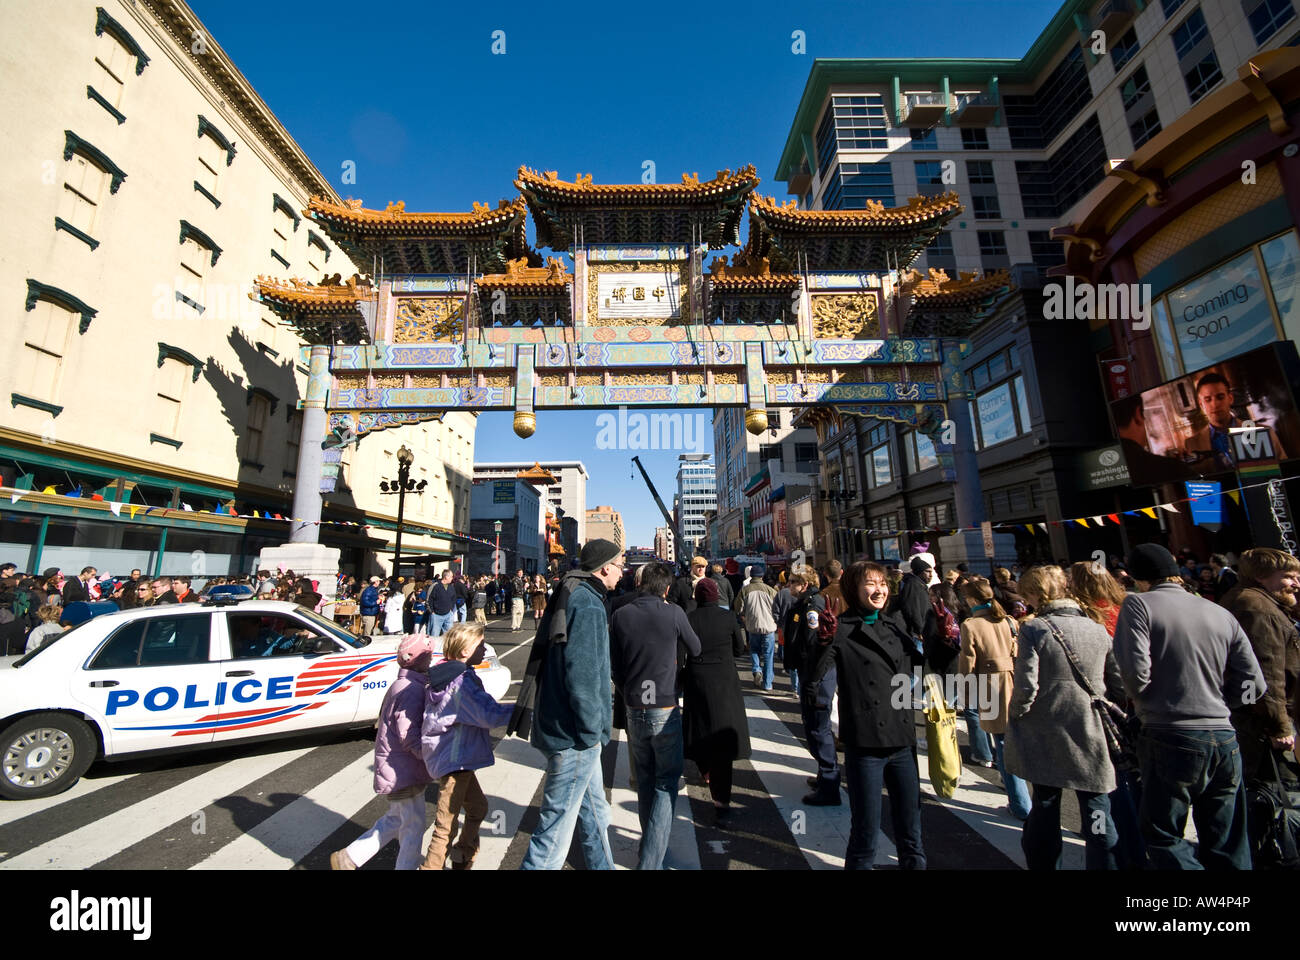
<point>976,109</point>
<point>1111,18</point>
<point>924,109</point>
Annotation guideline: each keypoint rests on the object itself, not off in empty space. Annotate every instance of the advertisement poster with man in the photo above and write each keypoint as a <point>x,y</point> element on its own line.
<point>1213,420</point>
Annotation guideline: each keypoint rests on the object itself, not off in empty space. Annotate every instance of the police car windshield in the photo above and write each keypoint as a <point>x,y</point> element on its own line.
<point>51,642</point>
<point>333,628</point>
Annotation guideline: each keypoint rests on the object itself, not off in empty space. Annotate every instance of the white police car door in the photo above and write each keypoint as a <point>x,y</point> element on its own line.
<point>154,682</point>
<point>276,680</point>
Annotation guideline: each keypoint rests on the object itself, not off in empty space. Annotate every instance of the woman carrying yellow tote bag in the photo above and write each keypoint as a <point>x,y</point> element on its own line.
<point>941,739</point>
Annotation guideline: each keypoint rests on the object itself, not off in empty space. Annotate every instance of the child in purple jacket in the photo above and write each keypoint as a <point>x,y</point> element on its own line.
<point>399,765</point>
<point>457,717</point>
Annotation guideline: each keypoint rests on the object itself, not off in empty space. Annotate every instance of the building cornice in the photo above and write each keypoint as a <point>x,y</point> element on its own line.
<point>184,31</point>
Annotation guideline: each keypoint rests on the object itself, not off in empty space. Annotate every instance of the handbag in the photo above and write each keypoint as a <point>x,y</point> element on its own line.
<point>1120,729</point>
<point>1273,823</point>
<point>941,740</point>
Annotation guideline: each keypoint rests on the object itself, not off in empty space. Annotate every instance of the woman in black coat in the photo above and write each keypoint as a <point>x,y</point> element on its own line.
<point>716,730</point>
<point>874,656</point>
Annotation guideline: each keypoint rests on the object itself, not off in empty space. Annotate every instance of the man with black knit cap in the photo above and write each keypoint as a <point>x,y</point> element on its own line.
<point>568,677</point>
<point>1186,664</point>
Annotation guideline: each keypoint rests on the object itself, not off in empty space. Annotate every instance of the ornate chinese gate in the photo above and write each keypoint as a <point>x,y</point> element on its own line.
<point>816,309</point>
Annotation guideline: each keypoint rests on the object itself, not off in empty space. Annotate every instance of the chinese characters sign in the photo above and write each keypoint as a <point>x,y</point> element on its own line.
<point>639,295</point>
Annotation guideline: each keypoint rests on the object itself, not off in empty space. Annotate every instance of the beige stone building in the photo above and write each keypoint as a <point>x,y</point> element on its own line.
<point>605,523</point>
<point>148,186</point>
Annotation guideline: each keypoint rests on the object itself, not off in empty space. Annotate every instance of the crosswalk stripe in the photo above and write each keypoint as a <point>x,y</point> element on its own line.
<point>783,764</point>
<point>509,785</point>
<point>11,810</point>
<point>286,837</point>
<point>101,839</point>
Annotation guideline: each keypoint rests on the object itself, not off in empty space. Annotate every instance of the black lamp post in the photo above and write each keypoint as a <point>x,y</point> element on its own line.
<point>400,487</point>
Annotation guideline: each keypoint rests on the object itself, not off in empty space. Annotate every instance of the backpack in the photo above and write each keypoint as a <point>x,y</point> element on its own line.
<point>1273,819</point>
<point>946,627</point>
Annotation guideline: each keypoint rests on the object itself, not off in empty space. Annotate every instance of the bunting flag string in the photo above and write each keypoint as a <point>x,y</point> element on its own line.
<point>266,515</point>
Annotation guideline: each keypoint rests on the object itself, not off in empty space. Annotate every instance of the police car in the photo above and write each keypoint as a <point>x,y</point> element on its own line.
<point>184,676</point>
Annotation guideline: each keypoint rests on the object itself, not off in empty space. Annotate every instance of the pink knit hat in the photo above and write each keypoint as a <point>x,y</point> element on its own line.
<point>415,652</point>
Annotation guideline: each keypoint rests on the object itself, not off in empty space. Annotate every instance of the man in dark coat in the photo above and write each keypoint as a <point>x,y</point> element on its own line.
<point>1263,606</point>
<point>75,589</point>
<point>802,634</point>
<point>914,597</point>
<point>568,681</point>
<point>683,590</point>
<point>726,594</point>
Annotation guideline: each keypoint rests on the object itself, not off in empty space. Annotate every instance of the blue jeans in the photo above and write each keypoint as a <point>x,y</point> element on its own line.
<point>794,681</point>
<point>440,623</point>
<point>869,773</point>
<point>574,794</point>
<point>1041,839</point>
<point>762,646</point>
<point>1017,789</point>
<point>979,740</point>
<point>654,737</point>
<point>1198,770</point>
<point>461,612</point>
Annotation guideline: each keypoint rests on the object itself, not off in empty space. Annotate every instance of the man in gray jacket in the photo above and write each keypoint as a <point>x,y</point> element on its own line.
<point>1186,663</point>
<point>755,603</point>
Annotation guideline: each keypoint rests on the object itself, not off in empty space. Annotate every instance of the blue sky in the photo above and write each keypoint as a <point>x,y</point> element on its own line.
<point>412,94</point>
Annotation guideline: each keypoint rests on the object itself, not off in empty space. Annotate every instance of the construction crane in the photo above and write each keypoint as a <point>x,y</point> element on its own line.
<point>668,517</point>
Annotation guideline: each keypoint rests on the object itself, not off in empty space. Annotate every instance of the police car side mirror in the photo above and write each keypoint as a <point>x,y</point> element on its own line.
<point>325,645</point>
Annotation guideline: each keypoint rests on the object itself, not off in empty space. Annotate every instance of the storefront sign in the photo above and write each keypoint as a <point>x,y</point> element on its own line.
<point>1222,314</point>
<point>1103,468</point>
<point>1118,378</point>
<point>503,491</point>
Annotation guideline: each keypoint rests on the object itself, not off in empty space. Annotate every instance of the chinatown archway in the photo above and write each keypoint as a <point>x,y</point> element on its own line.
<point>816,309</point>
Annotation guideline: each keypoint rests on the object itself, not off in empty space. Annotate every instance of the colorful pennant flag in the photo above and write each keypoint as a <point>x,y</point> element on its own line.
<point>186,507</point>
<point>1114,517</point>
<point>49,490</point>
<point>116,507</point>
<point>1081,521</point>
<point>15,496</point>
<point>1168,507</point>
<point>1150,512</point>
<point>1236,496</point>
<point>1098,521</point>
<point>134,510</point>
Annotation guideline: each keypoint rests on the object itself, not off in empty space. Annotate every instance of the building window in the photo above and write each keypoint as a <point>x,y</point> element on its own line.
<point>924,139</point>
<point>974,138</point>
<point>215,154</point>
<point>115,61</point>
<point>919,451</point>
<point>1144,128</point>
<point>934,517</point>
<point>979,171</point>
<point>45,342</point>
<point>1037,189</point>
<point>853,184</point>
<point>929,178</point>
<point>1196,57</point>
<point>852,122</point>
<point>986,208</point>
<point>879,469</point>
<point>1124,50</point>
<point>774,419</point>
<point>83,191</point>
<point>1065,93</point>
<point>1023,126</point>
<point>993,243</point>
<point>1135,89</point>
<point>1170,7</point>
<point>1045,252</point>
<point>941,245</point>
<point>766,452</point>
<point>173,377</point>
<point>1000,412</point>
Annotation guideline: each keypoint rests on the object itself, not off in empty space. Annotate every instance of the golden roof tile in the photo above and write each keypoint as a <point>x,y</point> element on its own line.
<point>749,274</point>
<point>919,211</point>
<point>482,218</point>
<point>331,294</point>
<point>536,474</point>
<point>691,188</point>
<point>937,289</point>
<point>519,275</point>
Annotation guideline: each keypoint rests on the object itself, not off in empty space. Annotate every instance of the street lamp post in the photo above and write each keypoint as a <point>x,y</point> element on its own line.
<point>496,556</point>
<point>400,486</point>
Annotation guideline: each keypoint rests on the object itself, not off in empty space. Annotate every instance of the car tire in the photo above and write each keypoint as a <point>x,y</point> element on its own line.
<point>43,754</point>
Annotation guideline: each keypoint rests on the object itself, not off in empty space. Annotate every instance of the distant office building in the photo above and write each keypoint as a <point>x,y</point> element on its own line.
<point>568,493</point>
<point>665,546</point>
<point>740,456</point>
<point>515,505</point>
<point>697,494</point>
<point>605,523</point>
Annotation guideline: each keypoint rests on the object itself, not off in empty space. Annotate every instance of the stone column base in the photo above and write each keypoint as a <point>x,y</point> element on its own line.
<point>311,560</point>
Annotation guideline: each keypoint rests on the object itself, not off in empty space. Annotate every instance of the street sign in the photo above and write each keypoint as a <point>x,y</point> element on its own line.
<point>986,529</point>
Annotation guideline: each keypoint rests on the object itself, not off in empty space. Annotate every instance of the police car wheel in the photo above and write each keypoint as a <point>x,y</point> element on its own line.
<point>44,754</point>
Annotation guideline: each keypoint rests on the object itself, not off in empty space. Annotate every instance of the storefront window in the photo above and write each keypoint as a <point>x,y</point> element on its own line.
<point>1222,314</point>
<point>996,416</point>
<point>1022,403</point>
<point>1281,257</point>
<point>880,465</point>
<point>926,457</point>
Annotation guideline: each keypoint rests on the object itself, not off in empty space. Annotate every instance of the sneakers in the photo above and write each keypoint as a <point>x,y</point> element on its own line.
<point>758,678</point>
<point>983,763</point>
<point>339,860</point>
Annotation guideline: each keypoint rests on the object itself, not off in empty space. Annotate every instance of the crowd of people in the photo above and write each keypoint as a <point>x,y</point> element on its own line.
<point>1153,688</point>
